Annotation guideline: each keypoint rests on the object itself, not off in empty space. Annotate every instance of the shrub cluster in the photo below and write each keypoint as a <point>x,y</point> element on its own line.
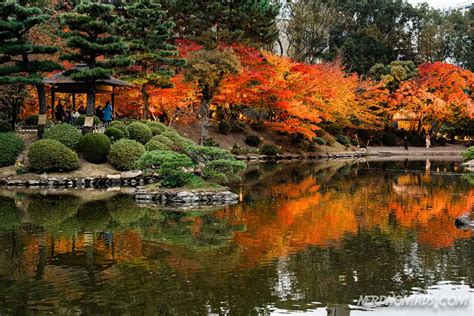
<point>80,120</point>
<point>164,140</point>
<point>205,154</point>
<point>223,171</point>
<point>164,161</point>
<point>140,132</point>
<point>156,127</point>
<point>51,155</point>
<point>180,143</point>
<point>64,133</point>
<point>269,150</point>
<point>124,153</point>
<point>344,140</point>
<point>11,146</point>
<point>95,147</point>
<point>319,140</point>
<point>121,126</point>
<point>113,133</point>
<point>154,144</point>
<point>253,140</point>
<point>469,154</point>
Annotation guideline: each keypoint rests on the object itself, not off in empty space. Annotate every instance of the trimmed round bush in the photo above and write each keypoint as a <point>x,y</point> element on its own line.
<point>140,132</point>
<point>95,147</point>
<point>121,126</point>
<point>204,154</point>
<point>269,150</point>
<point>164,161</point>
<point>344,140</point>
<point>51,155</point>
<point>124,153</point>
<point>156,127</point>
<point>154,144</point>
<point>11,146</point>
<point>180,143</point>
<point>222,170</point>
<point>253,140</point>
<point>64,133</point>
<point>163,139</point>
<point>319,140</point>
<point>114,133</point>
<point>82,118</point>
<point>5,127</point>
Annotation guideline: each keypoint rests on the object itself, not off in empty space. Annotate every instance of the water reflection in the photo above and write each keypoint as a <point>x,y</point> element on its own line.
<point>306,235</point>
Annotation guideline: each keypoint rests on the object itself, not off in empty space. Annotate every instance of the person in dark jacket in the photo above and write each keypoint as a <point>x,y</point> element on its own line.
<point>59,114</point>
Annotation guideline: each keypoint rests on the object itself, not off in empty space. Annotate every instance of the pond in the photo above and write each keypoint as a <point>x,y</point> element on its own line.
<point>306,237</point>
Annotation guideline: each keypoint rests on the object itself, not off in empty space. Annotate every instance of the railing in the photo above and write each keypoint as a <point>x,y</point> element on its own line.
<point>20,127</point>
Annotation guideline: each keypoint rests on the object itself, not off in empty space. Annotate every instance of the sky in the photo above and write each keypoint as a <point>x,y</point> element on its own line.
<point>438,4</point>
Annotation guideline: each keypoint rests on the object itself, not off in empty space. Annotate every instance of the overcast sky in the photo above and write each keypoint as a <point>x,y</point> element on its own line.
<point>439,4</point>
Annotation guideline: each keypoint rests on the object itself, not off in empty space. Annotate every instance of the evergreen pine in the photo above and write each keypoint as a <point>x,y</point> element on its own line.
<point>147,32</point>
<point>21,61</point>
<point>89,37</point>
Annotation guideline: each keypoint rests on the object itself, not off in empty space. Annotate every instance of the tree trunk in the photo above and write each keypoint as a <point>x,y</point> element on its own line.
<point>89,121</point>
<point>205,101</point>
<point>42,109</point>
<point>146,100</point>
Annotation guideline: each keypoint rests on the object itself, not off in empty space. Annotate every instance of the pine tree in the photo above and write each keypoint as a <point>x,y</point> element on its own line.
<point>148,31</point>
<point>21,61</point>
<point>89,36</point>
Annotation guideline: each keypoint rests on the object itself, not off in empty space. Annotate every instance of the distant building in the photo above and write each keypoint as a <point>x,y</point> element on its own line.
<point>462,7</point>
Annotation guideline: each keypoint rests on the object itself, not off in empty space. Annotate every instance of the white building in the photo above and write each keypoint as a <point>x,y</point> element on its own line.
<point>462,7</point>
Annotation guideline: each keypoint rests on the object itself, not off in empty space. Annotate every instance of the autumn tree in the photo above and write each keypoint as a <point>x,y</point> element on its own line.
<point>23,62</point>
<point>208,69</point>
<point>90,41</point>
<point>148,31</point>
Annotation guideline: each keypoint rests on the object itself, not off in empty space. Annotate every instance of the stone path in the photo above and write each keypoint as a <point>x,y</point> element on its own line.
<point>450,150</point>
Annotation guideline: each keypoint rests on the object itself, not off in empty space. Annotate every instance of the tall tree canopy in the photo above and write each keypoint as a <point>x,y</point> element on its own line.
<point>147,32</point>
<point>21,60</point>
<point>89,37</point>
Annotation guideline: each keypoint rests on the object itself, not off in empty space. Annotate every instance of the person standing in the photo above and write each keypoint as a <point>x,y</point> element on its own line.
<point>428,141</point>
<point>99,112</point>
<point>405,142</point>
<point>59,114</point>
<point>108,113</point>
<point>74,116</point>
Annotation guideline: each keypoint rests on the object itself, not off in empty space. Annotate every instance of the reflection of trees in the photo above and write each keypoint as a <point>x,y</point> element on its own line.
<point>9,214</point>
<point>51,211</point>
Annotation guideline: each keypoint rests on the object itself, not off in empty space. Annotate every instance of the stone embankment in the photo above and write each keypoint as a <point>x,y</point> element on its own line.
<point>307,156</point>
<point>213,197</point>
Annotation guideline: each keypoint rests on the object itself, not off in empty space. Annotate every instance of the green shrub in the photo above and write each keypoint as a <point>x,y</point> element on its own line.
<point>205,154</point>
<point>140,132</point>
<point>164,161</point>
<point>344,140</point>
<point>164,140</point>
<point>156,127</point>
<point>469,154</point>
<point>319,140</point>
<point>82,118</point>
<point>51,155</point>
<point>237,126</point>
<point>238,150</point>
<point>95,147</point>
<point>269,150</point>
<point>114,133</point>
<point>11,146</point>
<point>5,127</point>
<point>124,153</point>
<point>253,140</point>
<point>224,127</point>
<point>31,120</point>
<point>223,171</point>
<point>180,143</point>
<point>64,133</point>
<point>441,141</point>
<point>154,144</point>
<point>121,126</point>
<point>174,180</point>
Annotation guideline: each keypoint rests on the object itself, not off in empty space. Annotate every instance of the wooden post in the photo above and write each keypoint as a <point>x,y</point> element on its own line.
<point>52,102</point>
<point>113,102</point>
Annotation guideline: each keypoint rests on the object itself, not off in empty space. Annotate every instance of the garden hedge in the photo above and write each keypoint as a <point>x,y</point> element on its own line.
<point>95,147</point>
<point>124,153</point>
<point>114,133</point>
<point>140,132</point>
<point>121,126</point>
<point>154,144</point>
<point>269,150</point>
<point>11,146</point>
<point>64,133</point>
<point>156,127</point>
<point>51,155</point>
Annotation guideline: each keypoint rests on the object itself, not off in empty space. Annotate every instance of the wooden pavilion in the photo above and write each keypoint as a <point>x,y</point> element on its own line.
<point>63,83</point>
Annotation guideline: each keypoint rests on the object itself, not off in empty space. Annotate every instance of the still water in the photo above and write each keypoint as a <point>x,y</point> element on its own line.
<point>306,237</point>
